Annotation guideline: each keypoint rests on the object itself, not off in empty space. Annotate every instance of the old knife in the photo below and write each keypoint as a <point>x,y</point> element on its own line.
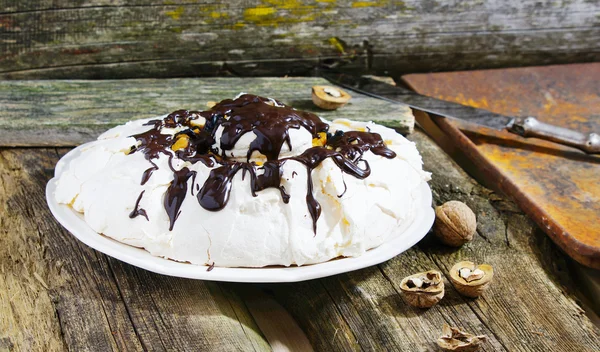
<point>525,127</point>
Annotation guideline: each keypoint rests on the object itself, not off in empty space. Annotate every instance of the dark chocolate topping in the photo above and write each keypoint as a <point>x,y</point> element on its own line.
<point>137,210</point>
<point>345,188</point>
<point>215,192</point>
<point>353,144</point>
<point>270,121</point>
<point>176,194</point>
<point>148,173</point>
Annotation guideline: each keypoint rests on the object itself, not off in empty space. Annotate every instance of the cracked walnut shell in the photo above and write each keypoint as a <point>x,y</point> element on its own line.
<point>424,289</point>
<point>455,223</point>
<point>470,280</point>
<point>329,98</point>
<point>454,339</point>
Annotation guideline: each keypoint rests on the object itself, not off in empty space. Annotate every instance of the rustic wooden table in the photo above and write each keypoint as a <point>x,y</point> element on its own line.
<point>57,294</point>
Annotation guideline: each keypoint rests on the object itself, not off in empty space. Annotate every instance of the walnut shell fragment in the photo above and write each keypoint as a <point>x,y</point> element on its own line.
<point>329,98</point>
<point>455,223</point>
<point>424,289</point>
<point>454,339</point>
<point>470,280</point>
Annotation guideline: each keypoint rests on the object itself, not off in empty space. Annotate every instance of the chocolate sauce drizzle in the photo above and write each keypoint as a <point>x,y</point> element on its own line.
<point>137,210</point>
<point>176,194</point>
<point>148,172</point>
<point>270,121</point>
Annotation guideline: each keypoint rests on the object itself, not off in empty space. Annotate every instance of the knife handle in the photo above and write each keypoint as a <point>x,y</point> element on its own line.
<point>531,127</point>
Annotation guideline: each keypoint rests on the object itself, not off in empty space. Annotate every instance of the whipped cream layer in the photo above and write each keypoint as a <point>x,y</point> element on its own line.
<point>126,192</point>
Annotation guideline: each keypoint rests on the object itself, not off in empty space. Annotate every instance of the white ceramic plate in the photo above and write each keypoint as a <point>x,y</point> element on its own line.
<point>74,222</point>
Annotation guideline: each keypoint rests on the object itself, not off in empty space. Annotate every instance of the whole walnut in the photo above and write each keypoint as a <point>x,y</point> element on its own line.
<point>455,223</point>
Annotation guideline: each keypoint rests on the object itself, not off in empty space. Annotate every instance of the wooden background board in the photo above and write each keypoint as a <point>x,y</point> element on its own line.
<point>177,38</point>
<point>68,113</point>
<point>557,186</point>
<point>58,294</point>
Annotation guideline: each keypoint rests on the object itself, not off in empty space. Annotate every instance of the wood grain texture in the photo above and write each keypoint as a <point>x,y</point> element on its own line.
<point>87,301</point>
<point>526,308</point>
<point>68,113</point>
<point>58,294</point>
<point>139,38</point>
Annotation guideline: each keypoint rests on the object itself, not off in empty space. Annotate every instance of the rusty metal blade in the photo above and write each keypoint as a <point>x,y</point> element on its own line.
<point>380,90</point>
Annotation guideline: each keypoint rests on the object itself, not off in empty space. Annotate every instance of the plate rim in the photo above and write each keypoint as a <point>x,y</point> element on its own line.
<point>139,257</point>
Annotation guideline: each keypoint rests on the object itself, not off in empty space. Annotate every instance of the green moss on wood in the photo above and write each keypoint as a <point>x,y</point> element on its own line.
<point>72,112</point>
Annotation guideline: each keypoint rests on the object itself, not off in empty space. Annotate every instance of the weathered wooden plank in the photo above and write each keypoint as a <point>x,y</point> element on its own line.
<point>530,306</point>
<point>528,271</point>
<point>317,313</point>
<point>278,327</point>
<point>360,310</point>
<point>135,39</point>
<point>24,298</point>
<point>57,293</point>
<point>66,113</point>
<point>382,320</point>
<point>183,315</point>
<point>80,306</point>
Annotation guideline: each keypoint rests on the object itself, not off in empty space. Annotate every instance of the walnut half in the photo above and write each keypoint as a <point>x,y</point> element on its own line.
<point>329,98</point>
<point>423,290</point>
<point>454,339</point>
<point>470,280</point>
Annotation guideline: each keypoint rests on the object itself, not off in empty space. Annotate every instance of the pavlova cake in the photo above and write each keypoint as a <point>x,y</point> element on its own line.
<point>250,182</point>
